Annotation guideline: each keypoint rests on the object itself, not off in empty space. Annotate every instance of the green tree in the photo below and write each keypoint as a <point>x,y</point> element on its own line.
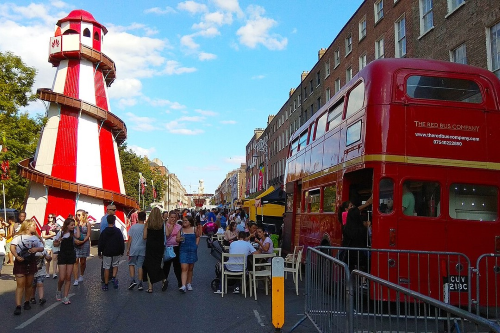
<point>16,81</point>
<point>19,133</point>
<point>132,165</point>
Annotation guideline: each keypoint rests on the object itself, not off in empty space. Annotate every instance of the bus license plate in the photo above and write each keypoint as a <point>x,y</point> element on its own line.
<point>458,283</point>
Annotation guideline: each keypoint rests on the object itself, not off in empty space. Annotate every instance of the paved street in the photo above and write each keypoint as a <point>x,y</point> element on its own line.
<point>92,310</point>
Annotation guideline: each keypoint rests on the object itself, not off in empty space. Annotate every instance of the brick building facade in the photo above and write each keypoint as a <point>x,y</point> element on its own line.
<point>465,31</point>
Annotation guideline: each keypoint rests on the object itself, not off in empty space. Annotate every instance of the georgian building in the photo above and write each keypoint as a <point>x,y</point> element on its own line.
<point>464,31</point>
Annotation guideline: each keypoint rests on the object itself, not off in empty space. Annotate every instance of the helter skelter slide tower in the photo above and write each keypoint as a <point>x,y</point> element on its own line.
<point>76,165</point>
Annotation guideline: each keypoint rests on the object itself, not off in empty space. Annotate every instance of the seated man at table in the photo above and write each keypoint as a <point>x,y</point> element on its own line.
<point>239,247</point>
<point>252,232</point>
<point>264,242</point>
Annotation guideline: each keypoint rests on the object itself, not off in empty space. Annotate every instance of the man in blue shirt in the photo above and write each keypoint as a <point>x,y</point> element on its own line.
<point>110,210</point>
<point>211,216</point>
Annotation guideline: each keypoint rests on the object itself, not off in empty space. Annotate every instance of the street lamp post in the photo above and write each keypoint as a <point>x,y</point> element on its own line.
<point>261,147</point>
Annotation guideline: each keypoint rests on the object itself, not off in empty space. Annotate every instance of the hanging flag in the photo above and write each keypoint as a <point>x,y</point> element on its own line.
<point>5,163</point>
<point>154,191</point>
<point>142,181</point>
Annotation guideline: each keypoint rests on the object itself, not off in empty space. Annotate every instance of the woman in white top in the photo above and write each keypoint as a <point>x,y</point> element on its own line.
<point>265,243</point>
<point>24,246</point>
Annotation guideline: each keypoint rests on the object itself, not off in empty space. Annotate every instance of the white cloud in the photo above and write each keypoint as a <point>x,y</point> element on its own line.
<point>228,122</point>
<point>206,56</point>
<point>230,6</point>
<point>179,126</point>
<point>174,67</point>
<point>159,11</point>
<point>125,88</point>
<point>235,160</point>
<point>188,42</point>
<point>177,106</point>
<point>206,112</point>
<point>192,7</point>
<point>256,31</point>
<point>136,26</point>
<point>59,4</point>
<point>141,124</point>
<point>124,103</point>
<point>142,151</point>
<point>258,77</point>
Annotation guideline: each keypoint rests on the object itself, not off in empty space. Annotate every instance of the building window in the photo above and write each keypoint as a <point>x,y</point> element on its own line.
<point>327,69</point>
<point>379,49</point>
<point>328,94</point>
<point>311,87</point>
<point>348,45</point>
<point>337,85</point>
<point>318,103</point>
<point>379,10</point>
<point>426,16</point>
<point>459,55</point>
<point>337,58</point>
<point>305,92</point>
<point>494,49</point>
<point>348,74</point>
<point>362,28</point>
<point>318,78</point>
<point>454,4</point>
<point>400,32</point>
<point>299,100</point>
<point>362,61</point>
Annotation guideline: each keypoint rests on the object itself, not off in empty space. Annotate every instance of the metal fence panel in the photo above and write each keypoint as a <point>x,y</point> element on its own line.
<point>487,300</point>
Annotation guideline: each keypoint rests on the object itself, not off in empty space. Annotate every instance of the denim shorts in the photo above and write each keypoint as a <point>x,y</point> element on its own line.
<point>38,279</point>
<point>136,261</point>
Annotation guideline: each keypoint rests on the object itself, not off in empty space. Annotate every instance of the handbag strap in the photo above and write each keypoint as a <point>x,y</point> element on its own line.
<point>165,233</point>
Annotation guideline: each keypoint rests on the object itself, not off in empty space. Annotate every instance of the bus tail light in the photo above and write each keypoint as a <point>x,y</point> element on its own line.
<point>497,244</point>
<point>392,237</point>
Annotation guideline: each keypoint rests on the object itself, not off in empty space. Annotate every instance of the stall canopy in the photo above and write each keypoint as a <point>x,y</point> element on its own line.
<point>275,197</point>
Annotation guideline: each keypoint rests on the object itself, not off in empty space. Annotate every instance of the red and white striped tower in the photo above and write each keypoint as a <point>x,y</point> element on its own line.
<point>76,165</point>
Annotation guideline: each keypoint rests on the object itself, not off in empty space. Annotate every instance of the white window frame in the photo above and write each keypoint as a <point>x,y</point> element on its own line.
<point>348,74</point>
<point>378,10</point>
<point>337,85</point>
<point>493,45</point>
<point>336,56</point>
<point>362,61</point>
<point>428,14</point>
<point>400,45</point>
<point>348,45</point>
<point>362,28</point>
<point>328,94</point>
<point>459,54</point>
<point>454,5</point>
<point>327,68</point>
<point>379,49</point>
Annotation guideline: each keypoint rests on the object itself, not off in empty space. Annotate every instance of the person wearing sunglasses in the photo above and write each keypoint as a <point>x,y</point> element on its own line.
<point>48,232</point>
<point>82,246</point>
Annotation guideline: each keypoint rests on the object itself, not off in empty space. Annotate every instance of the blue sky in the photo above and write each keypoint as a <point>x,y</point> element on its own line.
<point>194,78</point>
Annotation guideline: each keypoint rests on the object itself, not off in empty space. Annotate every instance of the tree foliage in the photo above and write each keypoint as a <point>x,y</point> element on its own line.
<point>18,132</point>
<point>16,81</point>
<point>132,165</point>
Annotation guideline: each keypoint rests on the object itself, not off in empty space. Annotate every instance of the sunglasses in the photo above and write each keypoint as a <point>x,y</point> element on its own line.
<point>113,209</point>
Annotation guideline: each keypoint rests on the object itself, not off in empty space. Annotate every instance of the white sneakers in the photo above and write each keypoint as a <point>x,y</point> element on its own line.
<point>80,279</point>
<point>189,287</point>
<point>75,283</point>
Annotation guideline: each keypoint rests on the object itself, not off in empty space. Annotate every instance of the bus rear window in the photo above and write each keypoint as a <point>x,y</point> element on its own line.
<point>335,116</point>
<point>473,202</point>
<point>443,89</point>
<point>295,145</point>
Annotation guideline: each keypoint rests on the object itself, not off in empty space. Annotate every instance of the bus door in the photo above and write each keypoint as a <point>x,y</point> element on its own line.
<point>290,227</point>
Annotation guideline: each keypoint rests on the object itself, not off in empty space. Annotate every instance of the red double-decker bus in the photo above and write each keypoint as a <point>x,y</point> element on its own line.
<point>403,130</point>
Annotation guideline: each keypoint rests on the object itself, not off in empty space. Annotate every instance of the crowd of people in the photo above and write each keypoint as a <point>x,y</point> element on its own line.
<point>155,244</point>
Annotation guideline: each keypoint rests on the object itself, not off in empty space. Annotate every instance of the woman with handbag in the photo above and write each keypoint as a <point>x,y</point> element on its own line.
<point>24,246</point>
<point>172,228</point>
<point>82,246</point>
<point>188,237</point>
<point>154,235</point>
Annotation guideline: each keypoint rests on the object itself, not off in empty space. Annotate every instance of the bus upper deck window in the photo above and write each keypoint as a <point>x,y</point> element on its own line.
<point>386,196</point>
<point>303,140</point>
<point>335,115</point>
<point>321,126</point>
<point>295,146</point>
<point>353,133</point>
<point>473,202</point>
<point>421,198</point>
<point>443,89</point>
<point>356,100</point>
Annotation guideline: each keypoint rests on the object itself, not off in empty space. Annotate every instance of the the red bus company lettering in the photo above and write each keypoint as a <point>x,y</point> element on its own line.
<point>457,127</point>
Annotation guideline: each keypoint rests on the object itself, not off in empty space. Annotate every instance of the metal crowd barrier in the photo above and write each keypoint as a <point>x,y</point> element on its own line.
<point>340,299</point>
<point>487,300</point>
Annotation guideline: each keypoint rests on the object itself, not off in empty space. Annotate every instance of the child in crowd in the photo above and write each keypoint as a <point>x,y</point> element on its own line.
<point>136,250</point>
<point>3,244</point>
<point>110,248</point>
<point>40,277</point>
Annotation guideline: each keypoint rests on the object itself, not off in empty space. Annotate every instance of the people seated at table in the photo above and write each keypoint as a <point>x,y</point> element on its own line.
<point>252,232</point>
<point>231,234</point>
<point>265,244</point>
<point>239,247</point>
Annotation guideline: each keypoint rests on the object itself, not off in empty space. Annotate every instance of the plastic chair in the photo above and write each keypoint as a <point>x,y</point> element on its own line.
<point>295,270</point>
<point>291,259</point>
<point>277,251</point>
<point>227,274</point>
<point>261,270</point>
<point>220,238</point>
